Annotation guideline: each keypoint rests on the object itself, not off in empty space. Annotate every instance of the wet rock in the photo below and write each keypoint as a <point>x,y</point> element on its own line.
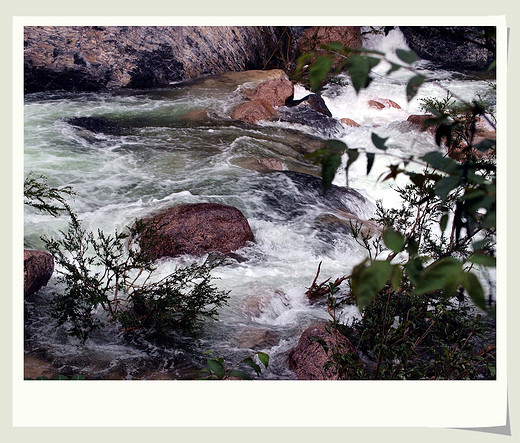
<point>197,229</point>
<point>308,359</point>
<point>350,122</point>
<point>315,101</point>
<point>307,116</point>
<point>256,338</point>
<point>35,367</point>
<point>275,92</point>
<point>375,104</point>
<point>315,36</point>
<point>452,47</point>
<point>91,58</point>
<point>261,164</point>
<point>38,267</point>
<point>96,125</point>
<point>244,80</point>
<point>254,111</point>
<point>388,103</point>
<point>420,120</point>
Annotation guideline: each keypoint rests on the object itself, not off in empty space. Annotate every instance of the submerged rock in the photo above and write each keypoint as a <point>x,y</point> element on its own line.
<point>38,267</point>
<point>197,229</point>
<point>308,359</point>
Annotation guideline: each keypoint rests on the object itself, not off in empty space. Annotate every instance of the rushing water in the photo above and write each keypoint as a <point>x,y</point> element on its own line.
<point>169,156</point>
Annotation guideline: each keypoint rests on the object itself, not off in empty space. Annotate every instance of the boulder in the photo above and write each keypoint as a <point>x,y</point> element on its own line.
<point>350,122</point>
<point>388,103</point>
<point>196,229</point>
<point>38,267</point>
<point>314,101</point>
<point>275,92</point>
<point>308,359</point>
<point>254,111</point>
<point>453,47</point>
<point>93,58</point>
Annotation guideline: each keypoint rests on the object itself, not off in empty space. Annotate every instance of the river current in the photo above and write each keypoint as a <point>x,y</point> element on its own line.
<point>169,158</point>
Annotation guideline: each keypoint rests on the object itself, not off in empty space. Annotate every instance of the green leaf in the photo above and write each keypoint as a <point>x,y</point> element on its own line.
<point>353,154</point>
<point>492,66</point>
<point>216,367</point>
<point>60,377</point>
<point>336,146</point>
<point>359,68</point>
<point>395,67</point>
<point>406,56</point>
<point>482,259</point>
<point>370,161</point>
<point>334,46</point>
<point>417,179</point>
<point>445,185</point>
<point>444,274</point>
<point>486,145</point>
<point>440,162</point>
<point>396,277</point>
<point>413,86</point>
<point>474,289</point>
<point>319,71</point>
<point>330,165</point>
<point>249,361</point>
<point>367,281</point>
<point>379,142</point>
<point>393,240</point>
<point>264,358</point>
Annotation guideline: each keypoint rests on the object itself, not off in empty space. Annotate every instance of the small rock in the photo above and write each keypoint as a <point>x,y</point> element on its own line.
<point>350,122</point>
<point>388,103</point>
<point>375,104</point>
<point>420,120</point>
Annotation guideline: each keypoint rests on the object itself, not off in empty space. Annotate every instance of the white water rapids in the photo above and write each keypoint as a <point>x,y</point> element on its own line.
<point>168,161</point>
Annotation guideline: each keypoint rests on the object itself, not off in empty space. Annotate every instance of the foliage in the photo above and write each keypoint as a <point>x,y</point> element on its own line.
<point>38,194</point>
<point>112,271</point>
<point>217,369</point>
<point>412,287</point>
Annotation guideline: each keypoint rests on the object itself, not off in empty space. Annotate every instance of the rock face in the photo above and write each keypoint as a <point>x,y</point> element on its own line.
<point>315,36</point>
<point>452,47</point>
<point>197,229</point>
<point>254,111</point>
<point>308,359</point>
<point>92,58</point>
<point>38,267</point>
<point>275,92</point>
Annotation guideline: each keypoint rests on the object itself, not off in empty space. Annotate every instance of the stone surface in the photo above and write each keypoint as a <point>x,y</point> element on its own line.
<point>197,229</point>
<point>92,58</point>
<point>307,360</point>
<point>388,103</point>
<point>275,92</point>
<point>420,120</point>
<point>38,267</point>
<point>350,122</point>
<point>254,111</point>
<point>375,104</point>
<point>315,36</point>
<point>452,47</point>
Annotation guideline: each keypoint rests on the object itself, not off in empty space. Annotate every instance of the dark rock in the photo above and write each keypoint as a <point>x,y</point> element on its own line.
<point>315,101</point>
<point>96,124</point>
<point>308,359</point>
<point>88,58</point>
<point>453,47</point>
<point>197,229</point>
<point>307,116</point>
<point>38,267</point>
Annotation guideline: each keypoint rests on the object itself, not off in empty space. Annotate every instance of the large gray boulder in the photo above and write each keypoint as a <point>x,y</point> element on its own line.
<point>92,58</point>
<point>452,47</point>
